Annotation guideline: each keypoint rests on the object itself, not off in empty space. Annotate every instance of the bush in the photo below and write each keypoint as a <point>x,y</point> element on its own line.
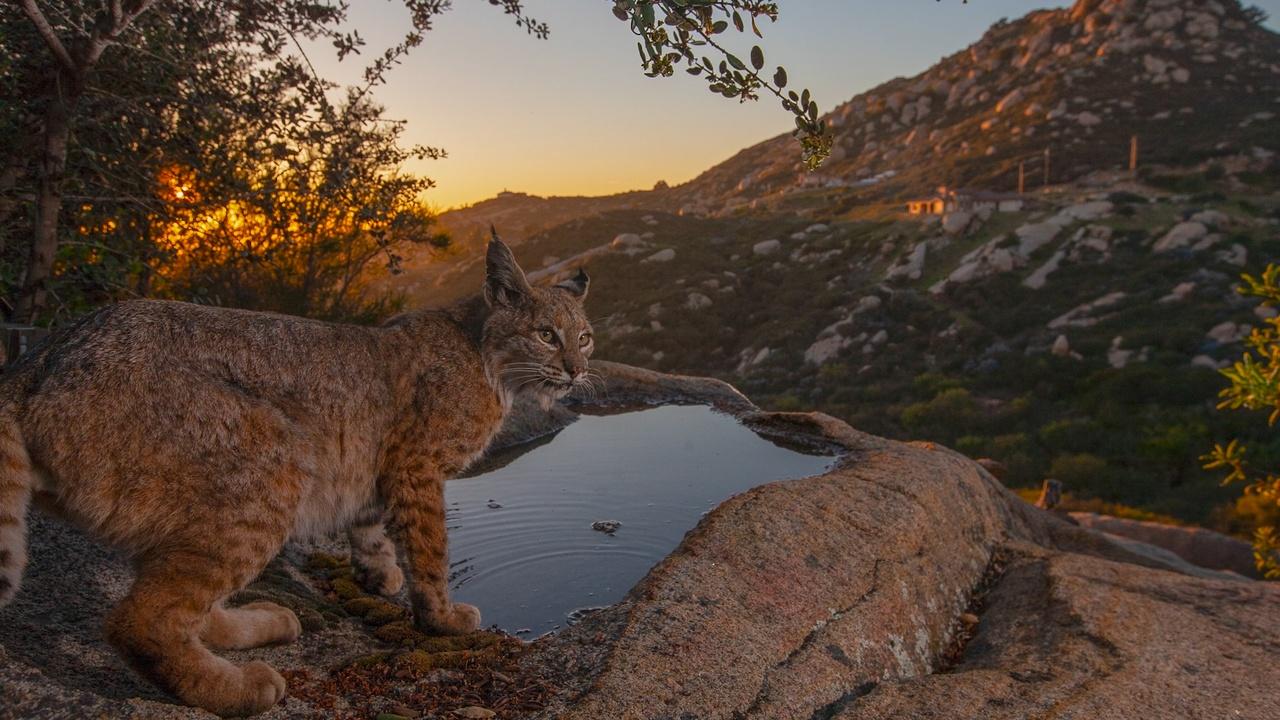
<point>948,413</point>
<point>1084,473</point>
<point>1255,385</point>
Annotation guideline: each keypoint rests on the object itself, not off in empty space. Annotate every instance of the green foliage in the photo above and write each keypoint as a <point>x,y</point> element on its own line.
<point>1255,385</point>
<point>950,411</point>
<point>674,31</point>
<point>1082,471</point>
<point>294,195</point>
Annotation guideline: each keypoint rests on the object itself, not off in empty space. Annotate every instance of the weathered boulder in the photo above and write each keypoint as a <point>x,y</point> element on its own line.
<point>912,266</point>
<point>1182,235</point>
<point>1197,546</point>
<point>766,247</point>
<point>697,301</point>
<point>1032,237</point>
<point>954,223</point>
<point>666,255</point>
<point>929,591</point>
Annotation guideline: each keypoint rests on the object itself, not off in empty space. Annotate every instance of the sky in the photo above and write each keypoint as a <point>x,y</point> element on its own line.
<point>574,114</point>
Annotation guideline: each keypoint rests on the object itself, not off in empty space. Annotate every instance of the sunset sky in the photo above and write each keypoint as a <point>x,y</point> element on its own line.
<point>574,115</point>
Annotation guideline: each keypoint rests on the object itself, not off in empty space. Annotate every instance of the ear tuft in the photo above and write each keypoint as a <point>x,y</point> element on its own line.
<point>504,282</point>
<point>576,285</point>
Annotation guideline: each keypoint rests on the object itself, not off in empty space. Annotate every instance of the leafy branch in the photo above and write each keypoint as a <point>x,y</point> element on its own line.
<point>1255,385</point>
<point>687,32</point>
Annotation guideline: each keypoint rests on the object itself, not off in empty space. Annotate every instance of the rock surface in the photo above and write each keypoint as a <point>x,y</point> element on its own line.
<point>904,582</point>
<point>843,596</point>
<point>1198,546</point>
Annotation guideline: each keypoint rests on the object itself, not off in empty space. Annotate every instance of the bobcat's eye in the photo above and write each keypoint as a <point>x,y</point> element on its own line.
<point>547,337</point>
<point>584,339</point>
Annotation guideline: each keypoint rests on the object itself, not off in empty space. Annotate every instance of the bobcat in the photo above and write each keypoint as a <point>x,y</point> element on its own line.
<point>198,440</point>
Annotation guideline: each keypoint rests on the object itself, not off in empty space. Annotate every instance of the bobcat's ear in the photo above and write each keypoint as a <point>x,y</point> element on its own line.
<point>504,282</point>
<point>576,285</point>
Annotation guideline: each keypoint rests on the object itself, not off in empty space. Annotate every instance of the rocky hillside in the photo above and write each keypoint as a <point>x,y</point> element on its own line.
<point>1192,79</point>
<point>1077,337</point>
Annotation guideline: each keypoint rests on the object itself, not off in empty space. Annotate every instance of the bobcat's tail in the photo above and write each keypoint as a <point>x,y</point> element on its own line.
<point>15,494</point>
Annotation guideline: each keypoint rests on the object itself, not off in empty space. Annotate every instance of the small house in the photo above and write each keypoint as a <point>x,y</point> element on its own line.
<point>946,200</point>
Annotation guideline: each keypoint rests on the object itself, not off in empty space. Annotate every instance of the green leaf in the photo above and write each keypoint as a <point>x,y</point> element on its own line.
<point>757,57</point>
<point>737,21</point>
<point>734,61</point>
<point>780,77</point>
<point>718,27</point>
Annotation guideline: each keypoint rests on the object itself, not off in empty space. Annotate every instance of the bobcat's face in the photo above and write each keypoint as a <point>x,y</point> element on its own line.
<point>536,339</point>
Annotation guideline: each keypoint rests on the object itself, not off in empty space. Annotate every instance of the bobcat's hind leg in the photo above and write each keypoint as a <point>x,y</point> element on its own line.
<point>250,626</point>
<point>158,625</point>
<point>374,556</point>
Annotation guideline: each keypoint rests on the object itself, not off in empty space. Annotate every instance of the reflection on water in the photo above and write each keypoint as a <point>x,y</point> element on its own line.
<point>521,543</point>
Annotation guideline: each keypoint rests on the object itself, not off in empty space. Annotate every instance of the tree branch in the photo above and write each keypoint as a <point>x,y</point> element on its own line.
<point>49,36</point>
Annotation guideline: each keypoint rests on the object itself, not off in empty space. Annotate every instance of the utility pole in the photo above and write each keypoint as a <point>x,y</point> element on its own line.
<point>1046,167</point>
<point>1133,155</point>
<point>1022,176</point>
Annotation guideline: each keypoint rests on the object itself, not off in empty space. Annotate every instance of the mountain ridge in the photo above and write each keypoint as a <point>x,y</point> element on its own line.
<point>1191,79</point>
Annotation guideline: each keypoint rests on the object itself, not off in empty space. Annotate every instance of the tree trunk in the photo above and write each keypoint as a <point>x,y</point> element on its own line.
<point>44,242</point>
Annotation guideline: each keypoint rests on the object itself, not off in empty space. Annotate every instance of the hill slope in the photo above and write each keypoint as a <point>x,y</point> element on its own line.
<point>1075,338</point>
<point>1191,78</point>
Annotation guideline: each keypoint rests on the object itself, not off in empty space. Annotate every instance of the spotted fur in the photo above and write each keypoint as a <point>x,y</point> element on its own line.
<point>199,440</point>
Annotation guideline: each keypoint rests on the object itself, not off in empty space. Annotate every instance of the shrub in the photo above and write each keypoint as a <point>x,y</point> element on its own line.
<point>1084,473</point>
<point>1255,385</point>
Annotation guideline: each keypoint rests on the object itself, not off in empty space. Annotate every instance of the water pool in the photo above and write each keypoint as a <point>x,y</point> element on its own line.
<point>522,546</point>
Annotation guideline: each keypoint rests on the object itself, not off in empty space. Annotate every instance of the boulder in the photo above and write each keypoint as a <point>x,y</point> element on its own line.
<point>1180,292</point>
<point>1014,97</point>
<point>954,223</point>
<point>626,240</point>
<point>1237,255</point>
<point>1117,356</point>
<point>1088,119</point>
<point>867,304</point>
<point>1083,315</point>
<point>697,301</point>
<point>1087,211</point>
<point>1040,275</point>
<point>907,583</point>
<point>1061,347</point>
<point>1215,219</point>
<point>1206,361</point>
<point>1227,333</point>
<point>911,267</point>
<point>1198,546</point>
<point>824,349</point>
<point>1032,237</point>
<point>1182,235</point>
<point>766,247</point>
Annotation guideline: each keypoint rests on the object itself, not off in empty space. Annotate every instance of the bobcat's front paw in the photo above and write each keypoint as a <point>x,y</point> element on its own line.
<point>385,580</point>
<point>456,619</point>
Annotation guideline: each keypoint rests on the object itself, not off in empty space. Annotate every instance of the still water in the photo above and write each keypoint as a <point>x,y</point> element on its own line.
<point>522,546</point>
